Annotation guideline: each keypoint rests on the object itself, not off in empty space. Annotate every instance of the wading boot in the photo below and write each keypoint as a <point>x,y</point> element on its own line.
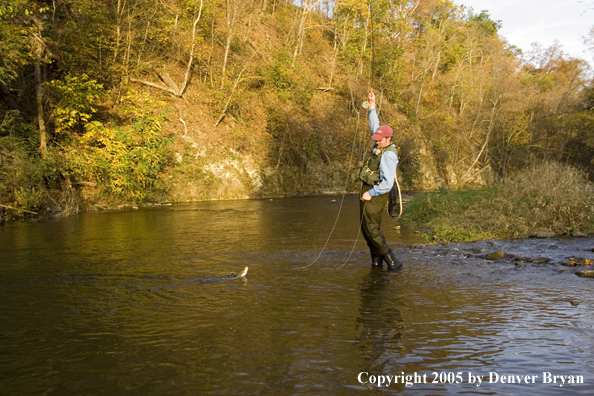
<point>393,263</point>
<point>376,261</point>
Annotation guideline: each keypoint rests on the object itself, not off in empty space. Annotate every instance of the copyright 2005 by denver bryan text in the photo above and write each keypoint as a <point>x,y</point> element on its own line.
<point>467,377</point>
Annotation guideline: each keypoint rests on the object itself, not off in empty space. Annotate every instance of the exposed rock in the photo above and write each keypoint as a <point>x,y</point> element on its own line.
<point>578,234</point>
<point>585,273</point>
<point>496,255</point>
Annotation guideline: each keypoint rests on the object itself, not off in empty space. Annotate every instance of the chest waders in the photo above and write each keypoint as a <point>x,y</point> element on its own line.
<point>371,212</point>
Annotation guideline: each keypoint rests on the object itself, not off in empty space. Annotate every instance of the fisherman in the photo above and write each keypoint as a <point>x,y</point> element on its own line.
<point>378,179</point>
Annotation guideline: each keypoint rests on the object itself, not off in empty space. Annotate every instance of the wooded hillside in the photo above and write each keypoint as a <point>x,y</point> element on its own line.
<point>106,102</point>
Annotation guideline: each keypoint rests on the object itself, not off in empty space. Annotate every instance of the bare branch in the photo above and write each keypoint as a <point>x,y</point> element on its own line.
<point>237,80</point>
<point>151,84</point>
<point>166,78</point>
<point>12,208</point>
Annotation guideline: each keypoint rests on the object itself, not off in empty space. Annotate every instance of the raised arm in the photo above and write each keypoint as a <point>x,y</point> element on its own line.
<point>373,119</point>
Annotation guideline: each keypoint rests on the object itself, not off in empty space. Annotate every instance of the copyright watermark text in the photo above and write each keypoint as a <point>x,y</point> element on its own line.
<point>466,377</point>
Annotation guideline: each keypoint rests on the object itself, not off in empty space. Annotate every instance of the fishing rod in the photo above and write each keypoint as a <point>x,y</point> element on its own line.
<point>372,44</point>
<point>365,105</point>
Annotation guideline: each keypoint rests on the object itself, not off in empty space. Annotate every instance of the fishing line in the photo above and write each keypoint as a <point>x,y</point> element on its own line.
<point>331,231</point>
<point>357,238</point>
<point>342,204</point>
<point>343,194</point>
<point>365,106</point>
<point>399,192</point>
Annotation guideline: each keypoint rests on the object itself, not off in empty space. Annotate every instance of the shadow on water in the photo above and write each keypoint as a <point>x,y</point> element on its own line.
<point>138,303</point>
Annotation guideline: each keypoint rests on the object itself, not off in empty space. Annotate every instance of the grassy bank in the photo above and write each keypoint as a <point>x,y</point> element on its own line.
<point>547,197</point>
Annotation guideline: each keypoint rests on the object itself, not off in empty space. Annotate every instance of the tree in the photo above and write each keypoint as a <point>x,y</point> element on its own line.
<point>235,12</point>
<point>171,86</point>
<point>13,42</point>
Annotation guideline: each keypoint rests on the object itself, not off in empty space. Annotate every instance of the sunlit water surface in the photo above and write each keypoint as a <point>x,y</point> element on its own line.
<point>137,303</point>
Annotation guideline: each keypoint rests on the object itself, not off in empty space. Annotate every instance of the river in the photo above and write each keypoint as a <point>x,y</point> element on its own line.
<point>138,303</point>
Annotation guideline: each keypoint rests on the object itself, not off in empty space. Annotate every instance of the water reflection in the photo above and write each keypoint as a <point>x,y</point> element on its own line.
<point>380,324</point>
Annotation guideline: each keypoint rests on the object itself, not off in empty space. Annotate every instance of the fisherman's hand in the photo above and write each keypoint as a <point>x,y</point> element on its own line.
<point>366,196</point>
<point>371,99</point>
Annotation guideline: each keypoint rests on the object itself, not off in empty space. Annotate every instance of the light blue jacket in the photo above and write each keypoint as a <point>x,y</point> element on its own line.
<point>388,162</point>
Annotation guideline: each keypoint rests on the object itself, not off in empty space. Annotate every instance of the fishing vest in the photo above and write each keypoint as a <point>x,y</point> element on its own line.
<point>369,173</point>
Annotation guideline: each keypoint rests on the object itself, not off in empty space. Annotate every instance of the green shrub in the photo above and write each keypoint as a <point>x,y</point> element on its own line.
<point>23,181</point>
<point>288,81</point>
<point>75,103</point>
<point>124,161</point>
<point>20,176</point>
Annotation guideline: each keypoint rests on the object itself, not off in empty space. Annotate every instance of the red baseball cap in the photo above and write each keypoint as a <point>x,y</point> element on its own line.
<point>382,132</point>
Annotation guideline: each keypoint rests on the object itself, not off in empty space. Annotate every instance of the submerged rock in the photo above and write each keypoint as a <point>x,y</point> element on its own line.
<point>585,273</point>
<point>540,260</point>
<point>496,255</point>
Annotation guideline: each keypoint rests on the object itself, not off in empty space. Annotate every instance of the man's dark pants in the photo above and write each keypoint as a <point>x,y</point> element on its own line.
<point>371,218</point>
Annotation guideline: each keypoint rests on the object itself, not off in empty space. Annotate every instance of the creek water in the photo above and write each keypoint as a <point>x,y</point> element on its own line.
<point>137,303</point>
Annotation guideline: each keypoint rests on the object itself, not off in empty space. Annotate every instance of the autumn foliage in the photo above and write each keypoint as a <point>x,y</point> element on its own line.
<point>129,102</point>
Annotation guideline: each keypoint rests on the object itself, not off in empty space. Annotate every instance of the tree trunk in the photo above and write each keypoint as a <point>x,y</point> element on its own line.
<point>38,49</point>
<point>225,58</point>
<point>119,13</point>
<point>300,32</point>
<point>40,115</point>
<point>232,11</point>
<point>189,68</point>
<point>171,86</point>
